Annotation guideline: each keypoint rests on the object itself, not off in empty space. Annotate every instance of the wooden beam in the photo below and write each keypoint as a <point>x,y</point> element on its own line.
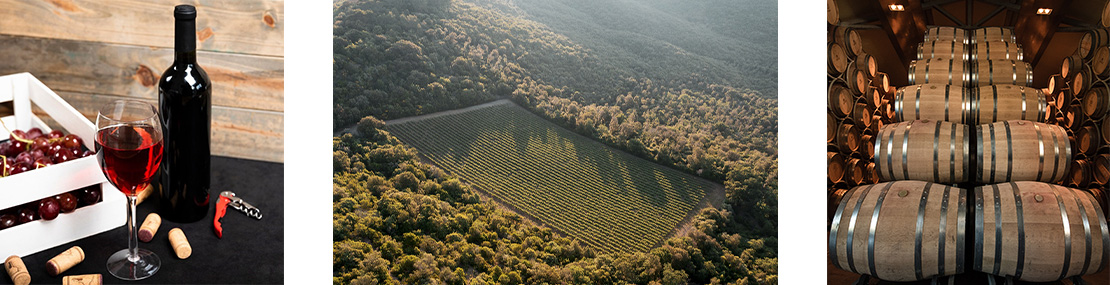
<point>989,16</point>
<point>949,16</point>
<point>934,4</point>
<point>969,15</point>
<point>1008,5</point>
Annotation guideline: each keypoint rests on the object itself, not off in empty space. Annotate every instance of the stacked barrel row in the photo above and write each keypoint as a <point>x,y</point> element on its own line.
<point>1079,102</point>
<point>962,79</point>
<point>858,106</point>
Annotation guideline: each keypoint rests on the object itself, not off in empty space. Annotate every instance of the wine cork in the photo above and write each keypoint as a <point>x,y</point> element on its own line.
<point>87,279</point>
<point>65,260</point>
<point>17,270</point>
<point>143,194</point>
<point>180,245</point>
<point>150,227</point>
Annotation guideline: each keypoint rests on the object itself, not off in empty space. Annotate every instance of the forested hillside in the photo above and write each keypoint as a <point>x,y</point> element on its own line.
<point>400,221</point>
<point>687,85</point>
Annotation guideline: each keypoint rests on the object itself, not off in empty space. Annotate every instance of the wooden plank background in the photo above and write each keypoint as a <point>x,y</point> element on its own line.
<point>92,52</point>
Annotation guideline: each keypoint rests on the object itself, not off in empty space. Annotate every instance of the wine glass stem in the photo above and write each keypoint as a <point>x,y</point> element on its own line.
<point>133,237</point>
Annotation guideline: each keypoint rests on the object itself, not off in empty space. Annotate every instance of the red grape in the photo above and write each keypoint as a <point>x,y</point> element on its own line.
<point>4,148</point>
<point>18,134</point>
<point>86,153</point>
<point>17,147</point>
<point>19,168</point>
<point>90,195</point>
<point>40,143</point>
<point>33,133</point>
<point>67,202</point>
<point>71,141</point>
<point>26,214</point>
<point>55,134</point>
<point>24,158</point>
<point>7,221</point>
<point>48,209</point>
<point>42,162</point>
<point>63,156</point>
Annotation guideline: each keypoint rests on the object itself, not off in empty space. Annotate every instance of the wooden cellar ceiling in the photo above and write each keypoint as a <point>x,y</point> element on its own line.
<point>1036,33</point>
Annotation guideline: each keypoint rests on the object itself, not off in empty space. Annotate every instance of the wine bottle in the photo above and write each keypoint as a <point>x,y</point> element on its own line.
<point>185,102</point>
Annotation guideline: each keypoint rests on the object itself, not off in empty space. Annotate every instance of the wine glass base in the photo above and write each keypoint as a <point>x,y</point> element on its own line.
<point>145,266</point>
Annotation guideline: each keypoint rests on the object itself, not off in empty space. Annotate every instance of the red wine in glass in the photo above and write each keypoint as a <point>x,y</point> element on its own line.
<point>129,148</point>
<point>129,155</point>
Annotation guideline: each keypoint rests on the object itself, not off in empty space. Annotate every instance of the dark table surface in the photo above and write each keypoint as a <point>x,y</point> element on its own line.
<point>251,251</point>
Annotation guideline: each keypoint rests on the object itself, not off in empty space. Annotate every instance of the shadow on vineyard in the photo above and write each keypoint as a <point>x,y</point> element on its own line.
<point>609,199</point>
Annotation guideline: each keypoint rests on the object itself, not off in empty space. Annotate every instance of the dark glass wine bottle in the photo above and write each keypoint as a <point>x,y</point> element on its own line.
<point>185,102</point>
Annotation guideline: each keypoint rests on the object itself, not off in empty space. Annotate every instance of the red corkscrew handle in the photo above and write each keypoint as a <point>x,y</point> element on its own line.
<point>221,209</point>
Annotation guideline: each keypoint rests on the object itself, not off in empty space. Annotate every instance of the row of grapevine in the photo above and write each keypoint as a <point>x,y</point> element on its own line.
<point>608,199</point>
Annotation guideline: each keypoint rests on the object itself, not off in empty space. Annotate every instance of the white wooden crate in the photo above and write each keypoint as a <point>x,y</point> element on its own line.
<point>24,90</point>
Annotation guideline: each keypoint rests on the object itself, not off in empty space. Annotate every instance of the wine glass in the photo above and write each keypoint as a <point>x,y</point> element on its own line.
<point>129,149</point>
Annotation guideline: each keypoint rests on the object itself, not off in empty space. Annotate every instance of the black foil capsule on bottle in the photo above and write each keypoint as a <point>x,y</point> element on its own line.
<point>185,103</point>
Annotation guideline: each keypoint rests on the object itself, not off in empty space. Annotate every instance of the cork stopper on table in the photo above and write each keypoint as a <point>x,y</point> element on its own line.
<point>149,227</point>
<point>17,270</point>
<point>180,245</point>
<point>87,279</point>
<point>65,260</point>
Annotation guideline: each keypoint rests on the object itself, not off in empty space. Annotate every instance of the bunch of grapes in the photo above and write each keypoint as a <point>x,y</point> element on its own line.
<point>32,149</point>
<point>49,208</point>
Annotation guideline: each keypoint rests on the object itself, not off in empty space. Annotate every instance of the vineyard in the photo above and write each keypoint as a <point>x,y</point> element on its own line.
<point>609,199</point>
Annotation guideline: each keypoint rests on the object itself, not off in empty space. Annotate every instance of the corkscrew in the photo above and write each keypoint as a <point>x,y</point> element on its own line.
<point>241,205</point>
<point>228,198</point>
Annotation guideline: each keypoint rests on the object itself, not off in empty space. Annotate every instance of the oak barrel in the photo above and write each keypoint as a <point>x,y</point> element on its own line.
<point>856,79</point>
<point>1021,150</point>
<point>1037,231</point>
<point>1092,40</point>
<point>848,136</point>
<point>837,166</point>
<point>991,72</point>
<point>862,114</point>
<point>938,70</point>
<point>835,195</point>
<point>1096,102</point>
<point>996,50</point>
<point>840,100</point>
<point>1100,169</point>
<point>988,34</point>
<point>986,104</point>
<point>1056,83</point>
<point>1081,81</point>
<point>855,171</point>
<point>932,101</point>
<point>867,64</point>
<point>927,150</point>
<point>872,174</point>
<point>1105,21</point>
<point>849,38</point>
<point>1100,61</point>
<point>1004,102</point>
<point>900,231</point>
<point>945,47</point>
<point>1079,175</point>
<point>1074,116</point>
<point>1087,139</point>
<point>830,133</point>
<point>1070,65</point>
<point>943,33</point>
<point>880,81</point>
<point>838,59</point>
